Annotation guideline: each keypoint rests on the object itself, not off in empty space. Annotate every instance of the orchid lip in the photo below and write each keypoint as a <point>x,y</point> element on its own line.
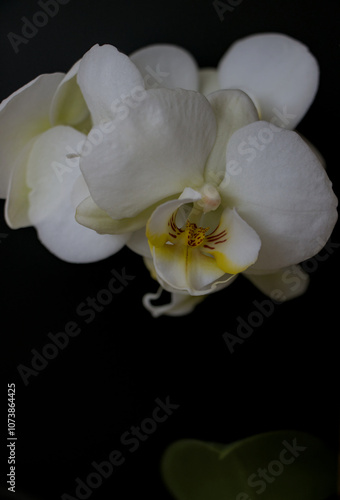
<point>214,239</point>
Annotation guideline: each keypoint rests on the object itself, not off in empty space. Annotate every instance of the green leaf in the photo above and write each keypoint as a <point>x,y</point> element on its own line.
<point>282,465</point>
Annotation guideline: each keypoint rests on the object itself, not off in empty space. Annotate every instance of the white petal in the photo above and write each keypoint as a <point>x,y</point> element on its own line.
<point>80,191</point>
<point>233,109</point>
<point>276,71</point>
<point>17,201</point>
<point>208,81</point>
<point>315,150</point>
<point>71,242</point>
<point>159,148</point>
<point>68,106</point>
<point>24,115</point>
<point>50,173</point>
<point>166,66</point>
<point>139,244</point>
<point>179,305</point>
<point>90,215</point>
<point>282,191</point>
<point>106,77</point>
<point>52,211</point>
<point>285,284</point>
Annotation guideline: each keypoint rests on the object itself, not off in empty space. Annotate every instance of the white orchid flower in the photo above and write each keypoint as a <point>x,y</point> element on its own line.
<point>210,185</point>
<point>43,126</point>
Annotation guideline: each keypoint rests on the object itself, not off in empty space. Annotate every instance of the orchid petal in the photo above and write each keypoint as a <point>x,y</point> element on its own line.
<point>233,109</point>
<point>17,202</point>
<point>166,66</point>
<point>158,149</point>
<point>276,71</point>
<point>71,242</point>
<point>282,191</point>
<point>50,174</point>
<point>282,285</point>
<point>90,215</point>
<point>314,149</point>
<point>139,244</point>
<point>118,77</point>
<point>51,208</point>
<point>68,106</point>
<point>24,115</point>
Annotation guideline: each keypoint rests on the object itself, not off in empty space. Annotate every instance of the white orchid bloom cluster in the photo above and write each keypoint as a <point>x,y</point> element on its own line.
<point>197,170</point>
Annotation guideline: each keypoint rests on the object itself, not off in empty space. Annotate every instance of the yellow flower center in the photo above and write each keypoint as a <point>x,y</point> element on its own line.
<point>192,235</point>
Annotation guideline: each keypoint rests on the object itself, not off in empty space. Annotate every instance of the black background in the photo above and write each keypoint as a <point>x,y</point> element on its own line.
<point>108,377</point>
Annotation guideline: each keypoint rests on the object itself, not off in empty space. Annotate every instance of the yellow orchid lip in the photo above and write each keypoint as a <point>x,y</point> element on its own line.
<point>192,237</point>
<point>189,255</point>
